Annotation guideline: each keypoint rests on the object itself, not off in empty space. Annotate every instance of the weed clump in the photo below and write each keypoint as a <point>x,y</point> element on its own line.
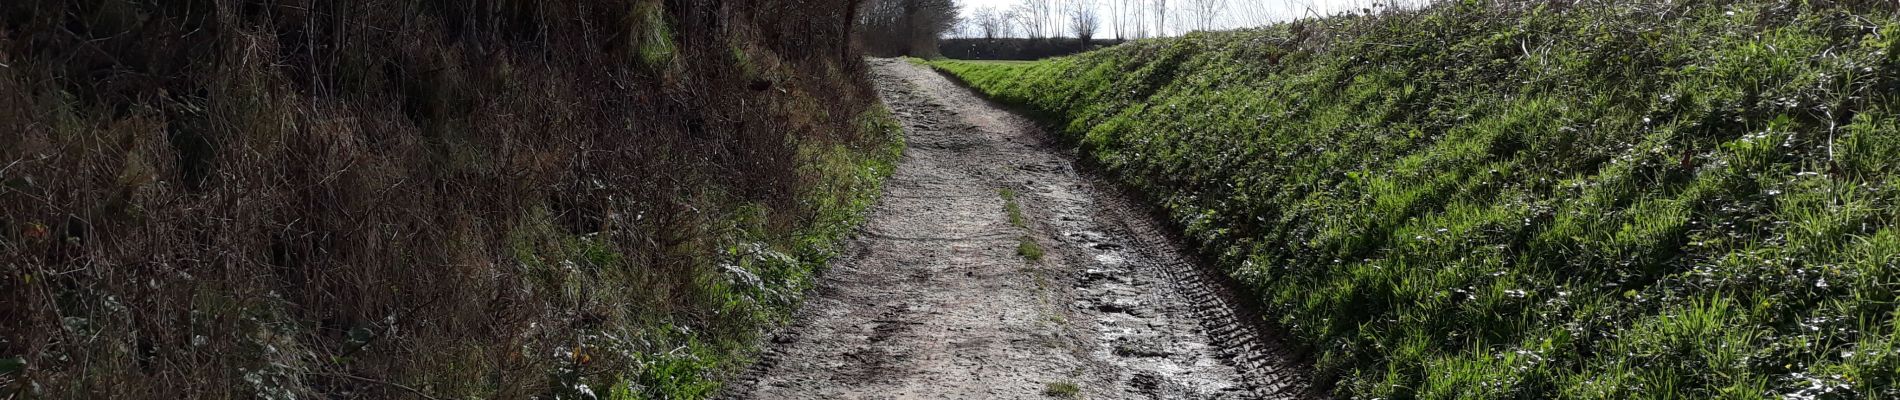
<point>1029,249</point>
<point>1062,390</point>
<point>1014,209</point>
<point>1026,246</point>
<point>1529,200</point>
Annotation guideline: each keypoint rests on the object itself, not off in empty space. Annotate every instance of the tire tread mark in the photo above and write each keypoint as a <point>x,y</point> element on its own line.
<point>1255,351</point>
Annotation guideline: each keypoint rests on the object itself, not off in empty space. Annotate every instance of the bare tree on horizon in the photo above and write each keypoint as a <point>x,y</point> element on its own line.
<point>1161,17</point>
<point>1139,16</point>
<point>1255,13</point>
<point>1206,12</point>
<point>990,22</point>
<point>1036,17</point>
<point>1084,21</point>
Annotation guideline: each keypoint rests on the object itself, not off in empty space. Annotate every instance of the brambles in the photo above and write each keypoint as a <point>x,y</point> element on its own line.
<point>395,198</point>
<point>1528,200</point>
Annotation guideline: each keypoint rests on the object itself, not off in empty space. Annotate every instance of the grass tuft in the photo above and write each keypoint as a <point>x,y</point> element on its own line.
<point>1026,246</point>
<point>1029,249</point>
<point>1014,209</point>
<point>1062,390</point>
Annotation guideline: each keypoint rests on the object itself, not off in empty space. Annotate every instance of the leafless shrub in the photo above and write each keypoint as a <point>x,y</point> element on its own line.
<point>377,198</point>
<point>906,27</point>
<point>1083,20</point>
<point>991,23</point>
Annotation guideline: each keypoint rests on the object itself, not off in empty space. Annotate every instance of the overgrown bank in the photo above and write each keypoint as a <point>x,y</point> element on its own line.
<point>1690,200</point>
<point>396,198</point>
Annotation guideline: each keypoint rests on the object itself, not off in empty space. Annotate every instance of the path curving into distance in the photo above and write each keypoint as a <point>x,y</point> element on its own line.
<point>936,299</point>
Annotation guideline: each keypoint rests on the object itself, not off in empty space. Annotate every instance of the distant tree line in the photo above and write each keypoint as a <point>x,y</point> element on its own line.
<point>915,27</point>
<point>1084,19</point>
<point>1135,19</point>
<point>905,27</point>
<point>1018,48</point>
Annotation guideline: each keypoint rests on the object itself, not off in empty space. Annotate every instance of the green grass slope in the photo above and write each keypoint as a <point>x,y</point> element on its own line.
<point>1694,200</point>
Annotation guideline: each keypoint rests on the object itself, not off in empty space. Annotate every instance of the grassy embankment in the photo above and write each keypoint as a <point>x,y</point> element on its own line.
<point>1694,200</point>
<point>390,199</point>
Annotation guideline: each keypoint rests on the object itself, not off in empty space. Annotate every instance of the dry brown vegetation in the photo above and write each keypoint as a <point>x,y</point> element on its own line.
<point>891,28</point>
<point>397,198</point>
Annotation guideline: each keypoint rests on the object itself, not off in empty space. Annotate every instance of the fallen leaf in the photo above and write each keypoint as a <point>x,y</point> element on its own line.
<point>36,231</point>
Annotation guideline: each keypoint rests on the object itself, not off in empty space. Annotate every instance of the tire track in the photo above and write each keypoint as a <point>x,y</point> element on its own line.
<point>1264,360</point>
<point>932,300</point>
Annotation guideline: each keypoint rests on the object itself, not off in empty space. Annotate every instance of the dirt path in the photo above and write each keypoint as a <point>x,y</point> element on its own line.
<point>935,300</point>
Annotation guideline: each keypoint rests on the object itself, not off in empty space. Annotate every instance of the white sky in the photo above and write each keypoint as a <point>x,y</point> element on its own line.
<point>1234,13</point>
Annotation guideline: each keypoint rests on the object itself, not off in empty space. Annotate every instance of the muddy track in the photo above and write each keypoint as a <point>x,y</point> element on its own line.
<point>934,299</point>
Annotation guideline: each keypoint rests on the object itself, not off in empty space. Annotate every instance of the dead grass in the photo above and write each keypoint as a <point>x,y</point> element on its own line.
<point>386,198</point>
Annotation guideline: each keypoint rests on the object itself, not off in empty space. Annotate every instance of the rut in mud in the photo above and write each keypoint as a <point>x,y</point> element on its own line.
<point>936,298</point>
